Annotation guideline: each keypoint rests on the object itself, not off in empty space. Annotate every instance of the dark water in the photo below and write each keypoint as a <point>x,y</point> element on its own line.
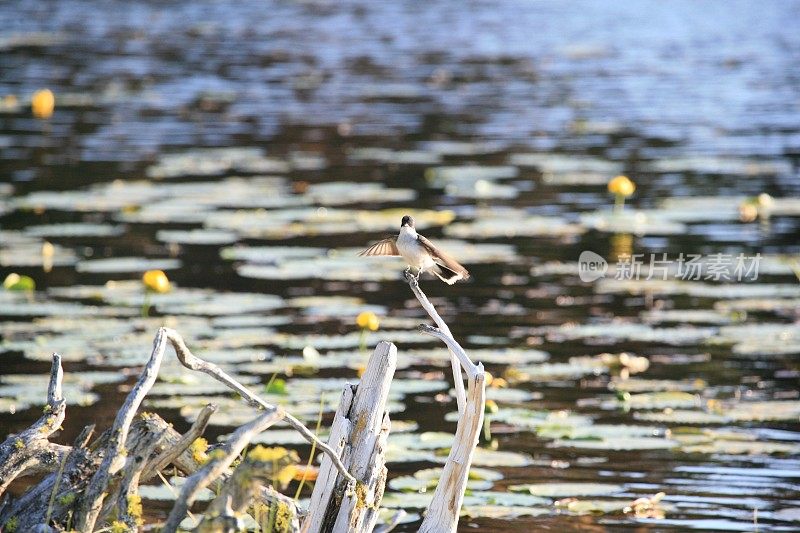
<point>690,99</point>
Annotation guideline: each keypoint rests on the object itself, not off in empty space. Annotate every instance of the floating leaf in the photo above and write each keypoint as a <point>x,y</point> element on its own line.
<point>561,490</point>
<point>126,264</point>
<point>502,512</point>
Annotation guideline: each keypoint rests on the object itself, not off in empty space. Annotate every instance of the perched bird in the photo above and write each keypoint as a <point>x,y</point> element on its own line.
<point>419,253</point>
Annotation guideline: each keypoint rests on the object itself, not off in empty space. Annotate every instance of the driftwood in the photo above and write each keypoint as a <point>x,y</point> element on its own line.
<point>360,429</point>
<point>93,485</point>
<point>443,511</point>
<point>31,449</point>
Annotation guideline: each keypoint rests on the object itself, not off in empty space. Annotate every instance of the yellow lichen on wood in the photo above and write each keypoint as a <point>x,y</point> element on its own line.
<point>135,509</point>
<point>215,455</point>
<point>361,496</point>
<point>66,499</point>
<point>361,424</point>
<point>198,449</point>
<point>117,526</point>
<point>11,524</point>
<point>283,517</point>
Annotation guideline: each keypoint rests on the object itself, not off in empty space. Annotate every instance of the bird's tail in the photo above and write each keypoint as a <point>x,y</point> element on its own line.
<point>446,275</point>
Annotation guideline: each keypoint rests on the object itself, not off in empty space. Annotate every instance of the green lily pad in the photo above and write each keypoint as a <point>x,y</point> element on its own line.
<point>562,490</point>
<point>498,458</point>
<point>682,416</point>
<point>215,161</point>
<point>764,411</point>
<point>788,514</point>
<point>659,400</point>
<point>197,236</point>
<point>428,479</point>
<point>617,443</point>
<point>502,512</point>
<point>588,507</point>
<point>75,230</point>
<point>510,223</point>
<point>116,265</point>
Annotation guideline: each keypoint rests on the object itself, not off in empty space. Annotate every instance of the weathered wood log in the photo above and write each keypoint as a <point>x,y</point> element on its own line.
<point>322,497</point>
<point>88,483</point>
<point>30,449</point>
<point>55,496</point>
<point>115,453</point>
<point>360,428</point>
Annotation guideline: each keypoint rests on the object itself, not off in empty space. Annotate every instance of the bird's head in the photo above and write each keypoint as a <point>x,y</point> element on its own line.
<point>407,221</point>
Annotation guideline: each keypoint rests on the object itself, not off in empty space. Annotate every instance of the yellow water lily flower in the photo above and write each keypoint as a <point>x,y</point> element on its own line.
<point>757,207</point>
<point>156,281</point>
<point>265,454</point>
<point>15,282</point>
<point>368,320</point>
<point>621,186</point>
<point>43,103</point>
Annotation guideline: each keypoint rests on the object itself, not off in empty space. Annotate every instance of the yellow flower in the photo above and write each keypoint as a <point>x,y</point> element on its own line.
<point>15,282</point>
<point>368,320</point>
<point>309,473</point>
<point>43,103</point>
<point>9,102</point>
<point>285,475</point>
<point>264,454</point>
<point>156,281</point>
<point>748,212</point>
<point>491,407</point>
<point>621,186</point>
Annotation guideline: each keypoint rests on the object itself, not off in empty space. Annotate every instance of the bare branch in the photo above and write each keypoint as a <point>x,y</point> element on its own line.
<point>170,453</point>
<point>428,306</point>
<point>193,362</point>
<point>114,459</point>
<point>29,449</point>
<point>443,512</point>
<point>454,347</point>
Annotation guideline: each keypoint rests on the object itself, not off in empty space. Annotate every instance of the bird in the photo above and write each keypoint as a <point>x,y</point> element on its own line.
<point>419,253</point>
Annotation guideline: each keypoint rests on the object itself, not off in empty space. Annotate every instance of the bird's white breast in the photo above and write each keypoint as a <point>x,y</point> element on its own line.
<point>412,251</point>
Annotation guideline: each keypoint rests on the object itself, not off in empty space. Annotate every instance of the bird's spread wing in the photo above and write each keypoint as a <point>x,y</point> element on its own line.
<point>383,247</point>
<point>442,258</point>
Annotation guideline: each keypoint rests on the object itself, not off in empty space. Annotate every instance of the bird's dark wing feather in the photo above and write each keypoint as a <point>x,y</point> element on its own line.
<point>443,258</point>
<point>383,247</point>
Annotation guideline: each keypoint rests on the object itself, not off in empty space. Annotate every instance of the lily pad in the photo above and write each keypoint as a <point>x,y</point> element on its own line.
<point>561,490</point>
<point>75,230</point>
<point>197,236</point>
<point>115,265</point>
<point>502,512</point>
